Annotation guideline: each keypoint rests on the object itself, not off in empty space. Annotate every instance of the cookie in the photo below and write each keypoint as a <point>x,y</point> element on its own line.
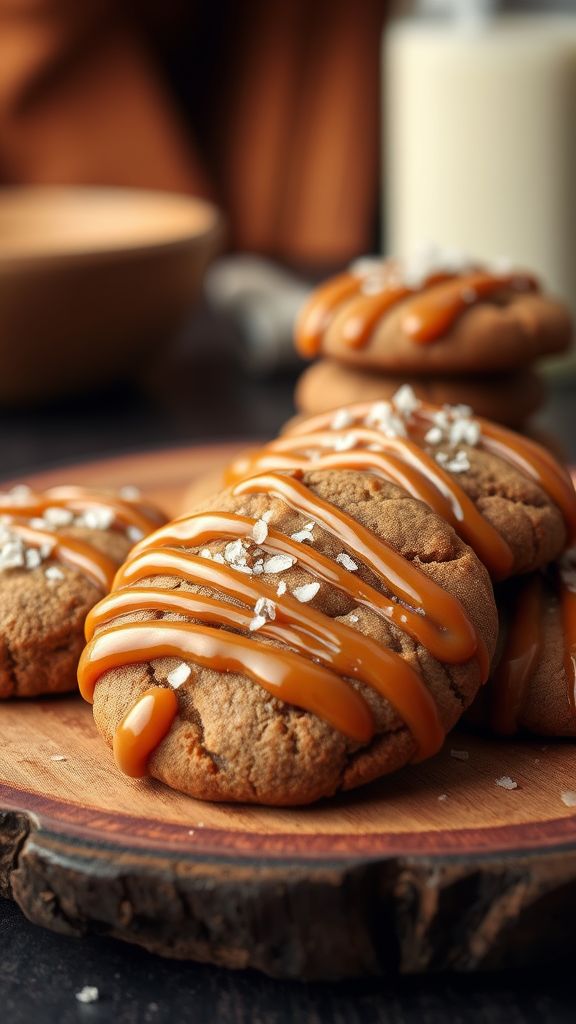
<point>433,317</point>
<point>295,636</point>
<point>508,398</point>
<point>504,494</point>
<point>533,684</point>
<point>59,552</point>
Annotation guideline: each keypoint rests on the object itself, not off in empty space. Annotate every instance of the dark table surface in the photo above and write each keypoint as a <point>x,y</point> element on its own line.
<point>197,400</point>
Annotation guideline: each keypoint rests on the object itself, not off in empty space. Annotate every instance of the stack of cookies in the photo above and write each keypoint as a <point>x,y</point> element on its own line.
<point>457,332</point>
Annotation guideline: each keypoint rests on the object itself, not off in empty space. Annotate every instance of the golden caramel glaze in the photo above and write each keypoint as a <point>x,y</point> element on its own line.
<point>522,648</point>
<point>22,512</point>
<point>526,606</point>
<point>429,310</point>
<point>410,462</point>
<point>398,459</point>
<point>313,656</point>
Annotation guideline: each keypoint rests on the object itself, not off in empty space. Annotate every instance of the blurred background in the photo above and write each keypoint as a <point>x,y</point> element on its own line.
<point>176,175</point>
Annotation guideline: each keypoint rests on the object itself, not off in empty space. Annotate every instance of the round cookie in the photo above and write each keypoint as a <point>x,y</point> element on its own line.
<point>432,319</point>
<point>533,683</point>
<point>271,640</point>
<point>59,551</point>
<point>508,398</point>
<point>504,494</point>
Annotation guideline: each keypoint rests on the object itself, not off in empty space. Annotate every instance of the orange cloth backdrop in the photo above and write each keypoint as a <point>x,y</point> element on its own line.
<point>291,104</point>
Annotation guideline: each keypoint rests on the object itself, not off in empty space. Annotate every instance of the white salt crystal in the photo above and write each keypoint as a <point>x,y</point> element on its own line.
<point>278,563</point>
<point>460,755</point>
<point>259,531</point>
<point>178,675</point>
<point>346,561</point>
<point>306,592</point>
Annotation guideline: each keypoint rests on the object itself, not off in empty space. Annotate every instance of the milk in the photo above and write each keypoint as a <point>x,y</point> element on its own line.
<point>480,140</point>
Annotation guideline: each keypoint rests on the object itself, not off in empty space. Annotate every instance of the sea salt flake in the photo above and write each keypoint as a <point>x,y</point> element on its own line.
<point>302,535</point>
<point>267,515</point>
<point>353,618</point>
<point>37,523</point>
<point>134,534</point>
<point>346,561</point>
<point>506,783</point>
<point>460,755</point>
<point>58,517</point>
<point>434,435</point>
<point>178,675</point>
<point>306,592</point>
<point>342,418</point>
<point>205,553</point>
<point>32,558</point>
<point>264,606</point>
<point>257,622</point>
<point>97,518</point>
<point>234,552</point>
<point>278,563</point>
<point>443,796</point>
<point>281,588</point>
<point>259,531</point>
<point>58,757</point>
<point>130,493</point>
<point>568,798</point>
<point>464,431</point>
<point>88,994</point>
<point>219,557</point>
<point>405,400</point>
<point>52,572</point>
<point>345,442</point>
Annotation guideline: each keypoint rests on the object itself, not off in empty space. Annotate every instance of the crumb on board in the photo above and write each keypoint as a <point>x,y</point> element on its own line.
<point>505,782</point>
<point>88,994</point>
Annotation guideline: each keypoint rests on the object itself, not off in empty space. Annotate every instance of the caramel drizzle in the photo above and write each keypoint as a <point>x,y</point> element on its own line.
<point>337,650</point>
<point>523,649</point>
<point>429,310</point>
<point>524,454</point>
<point>510,681</point>
<point>73,551</point>
<point>403,462</point>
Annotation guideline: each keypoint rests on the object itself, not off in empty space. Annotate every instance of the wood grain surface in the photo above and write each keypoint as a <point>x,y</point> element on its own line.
<point>436,867</point>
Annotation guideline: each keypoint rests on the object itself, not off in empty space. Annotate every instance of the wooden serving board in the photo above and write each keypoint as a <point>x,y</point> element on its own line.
<point>437,867</point>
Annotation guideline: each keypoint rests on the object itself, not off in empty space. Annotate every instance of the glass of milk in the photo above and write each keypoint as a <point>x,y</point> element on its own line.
<point>480,136</point>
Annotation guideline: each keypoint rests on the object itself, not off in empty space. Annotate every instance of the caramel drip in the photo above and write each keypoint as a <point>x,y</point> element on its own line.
<point>318,653</point>
<point>403,462</point>
<point>143,728</point>
<point>317,313</point>
<point>451,638</point>
<point>568,614</point>
<point>431,314</point>
<point>72,551</point>
<point>524,454</point>
<point>450,646</point>
<point>534,461</point>
<point>79,553</point>
<point>283,674</point>
<point>429,311</point>
<point>308,632</point>
<point>519,658</point>
<point>76,499</point>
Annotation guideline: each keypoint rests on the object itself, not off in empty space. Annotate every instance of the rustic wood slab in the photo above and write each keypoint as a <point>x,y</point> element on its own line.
<point>435,868</point>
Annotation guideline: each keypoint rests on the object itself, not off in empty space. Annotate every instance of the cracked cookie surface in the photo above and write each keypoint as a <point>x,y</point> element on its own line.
<point>231,740</point>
